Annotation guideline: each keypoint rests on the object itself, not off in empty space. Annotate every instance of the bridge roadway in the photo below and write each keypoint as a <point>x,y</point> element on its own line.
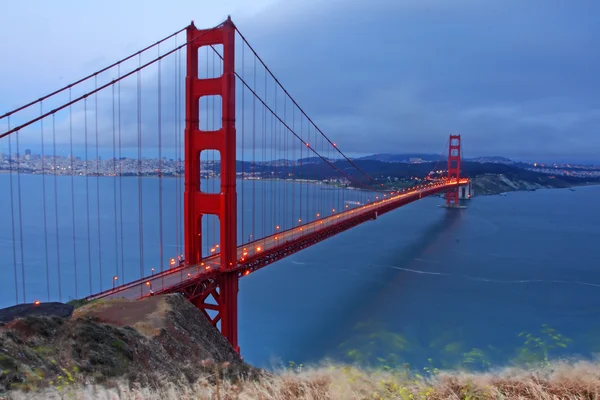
<point>255,255</point>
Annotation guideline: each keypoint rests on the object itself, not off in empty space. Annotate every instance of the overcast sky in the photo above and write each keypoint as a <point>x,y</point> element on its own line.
<point>518,78</point>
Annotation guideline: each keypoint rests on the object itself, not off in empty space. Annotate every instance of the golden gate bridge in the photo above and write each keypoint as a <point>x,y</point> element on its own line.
<point>206,99</point>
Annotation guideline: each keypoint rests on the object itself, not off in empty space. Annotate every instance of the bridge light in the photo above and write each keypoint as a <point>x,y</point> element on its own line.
<point>307,145</point>
<point>189,276</point>
<point>172,262</point>
<point>213,250</point>
<point>346,205</point>
<point>152,271</point>
<point>258,249</point>
<point>277,227</point>
<point>333,210</point>
<point>36,303</point>
<point>299,220</point>
<point>246,272</point>
<point>318,215</point>
<point>245,253</point>
<point>276,237</point>
<point>207,268</point>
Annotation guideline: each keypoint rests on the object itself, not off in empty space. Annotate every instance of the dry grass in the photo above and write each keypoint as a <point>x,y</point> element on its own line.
<point>146,316</point>
<point>579,380</point>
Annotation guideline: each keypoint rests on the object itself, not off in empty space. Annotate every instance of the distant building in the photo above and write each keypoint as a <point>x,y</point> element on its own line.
<point>415,160</point>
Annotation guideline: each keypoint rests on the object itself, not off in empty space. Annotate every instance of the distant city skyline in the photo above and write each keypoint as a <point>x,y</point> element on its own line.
<point>106,154</point>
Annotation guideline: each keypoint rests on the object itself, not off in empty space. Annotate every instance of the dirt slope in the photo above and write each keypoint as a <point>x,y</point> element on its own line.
<point>162,336</point>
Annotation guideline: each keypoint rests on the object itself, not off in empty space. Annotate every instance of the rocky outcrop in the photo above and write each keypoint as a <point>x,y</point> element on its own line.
<point>158,339</point>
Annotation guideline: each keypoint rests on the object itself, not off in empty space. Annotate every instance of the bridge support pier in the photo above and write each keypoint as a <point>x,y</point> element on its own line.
<point>228,308</point>
<point>223,204</point>
<point>465,192</point>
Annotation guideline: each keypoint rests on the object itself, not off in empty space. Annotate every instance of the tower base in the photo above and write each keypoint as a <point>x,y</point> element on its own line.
<point>453,206</point>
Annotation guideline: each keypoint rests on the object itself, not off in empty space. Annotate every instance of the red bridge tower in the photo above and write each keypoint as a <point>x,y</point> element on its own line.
<point>223,204</point>
<point>453,169</point>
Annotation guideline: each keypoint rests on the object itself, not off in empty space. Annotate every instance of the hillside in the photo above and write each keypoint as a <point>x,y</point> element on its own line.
<point>158,339</point>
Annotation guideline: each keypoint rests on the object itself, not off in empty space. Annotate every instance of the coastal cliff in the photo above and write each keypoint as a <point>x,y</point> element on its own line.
<point>490,184</point>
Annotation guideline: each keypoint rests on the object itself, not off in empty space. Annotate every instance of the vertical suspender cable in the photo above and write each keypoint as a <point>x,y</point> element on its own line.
<point>20,217</point>
<point>177,187</point>
<point>12,214</point>
<point>286,168</point>
<point>243,143</point>
<point>253,231</point>
<point>139,163</point>
<point>87,195</point>
<point>114,156</point>
<point>274,188</point>
<point>98,184</point>
<point>293,212</point>
<point>123,280</point>
<point>56,208</point>
<point>179,132</point>
<point>44,201</point>
<point>160,187</point>
<point>301,171</point>
<point>264,159</point>
<point>73,193</point>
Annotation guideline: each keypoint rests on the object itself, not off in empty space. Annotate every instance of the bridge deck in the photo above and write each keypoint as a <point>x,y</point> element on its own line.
<point>257,254</point>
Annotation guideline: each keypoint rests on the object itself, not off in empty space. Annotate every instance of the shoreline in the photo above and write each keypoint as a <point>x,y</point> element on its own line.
<point>483,185</point>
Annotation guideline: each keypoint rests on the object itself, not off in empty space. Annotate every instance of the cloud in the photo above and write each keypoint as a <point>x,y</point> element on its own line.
<point>514,78</point>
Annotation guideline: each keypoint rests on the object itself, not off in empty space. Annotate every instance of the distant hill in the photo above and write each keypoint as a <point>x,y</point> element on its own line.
<point>424,157</point>
<point>402,158</point>
<point>492,159</point>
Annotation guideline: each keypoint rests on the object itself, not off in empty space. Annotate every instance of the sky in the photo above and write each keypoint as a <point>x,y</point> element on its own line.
<point>515,78</point>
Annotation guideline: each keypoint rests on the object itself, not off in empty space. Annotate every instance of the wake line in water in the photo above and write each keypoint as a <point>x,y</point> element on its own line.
<point>427,261</point>
<point>474,278</point>
<point>416,271</point>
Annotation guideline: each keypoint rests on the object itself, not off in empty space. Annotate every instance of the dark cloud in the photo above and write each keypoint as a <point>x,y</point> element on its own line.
<point>515,78</point>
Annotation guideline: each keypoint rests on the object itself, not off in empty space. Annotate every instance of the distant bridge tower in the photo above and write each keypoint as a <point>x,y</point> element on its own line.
<point>223,204</point>
<point>452,197</point>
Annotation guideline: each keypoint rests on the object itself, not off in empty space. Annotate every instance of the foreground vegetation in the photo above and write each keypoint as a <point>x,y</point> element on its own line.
<point>579,380</point>
<point>163,348</point>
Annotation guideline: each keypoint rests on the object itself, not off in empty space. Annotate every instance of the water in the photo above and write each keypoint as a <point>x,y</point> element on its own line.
<point>424,282</point>
<point>419,283</point>
<point>105,247</point>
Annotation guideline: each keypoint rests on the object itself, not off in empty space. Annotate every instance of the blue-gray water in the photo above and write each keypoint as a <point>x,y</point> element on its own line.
<point>421,282</point>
